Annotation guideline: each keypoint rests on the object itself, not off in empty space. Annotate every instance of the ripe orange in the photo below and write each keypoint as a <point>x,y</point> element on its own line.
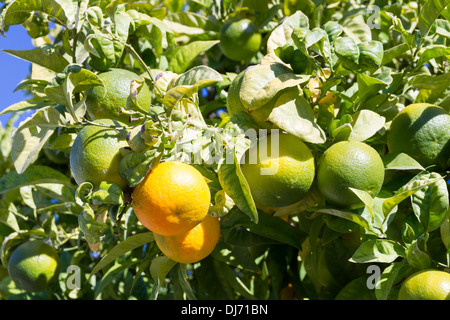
<point>193,245</point>
<point>173,198</point>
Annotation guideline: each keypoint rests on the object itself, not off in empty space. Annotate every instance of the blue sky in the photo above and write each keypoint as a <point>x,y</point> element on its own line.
<point>13,70</point>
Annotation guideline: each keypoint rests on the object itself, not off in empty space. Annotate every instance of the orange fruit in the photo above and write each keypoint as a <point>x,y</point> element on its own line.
<point>34,266</point>
<point>193,245</point>
<point>96,153</point>
<point>105,102</point>
<point>239,39</point>
<point>422,131</point>
<point>349,164</point>
<point>279,170</point>
<point>173,198</point>
<point>426,285</point>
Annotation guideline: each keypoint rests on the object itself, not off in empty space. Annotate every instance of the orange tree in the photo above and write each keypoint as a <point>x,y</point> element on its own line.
<point>323,72</point>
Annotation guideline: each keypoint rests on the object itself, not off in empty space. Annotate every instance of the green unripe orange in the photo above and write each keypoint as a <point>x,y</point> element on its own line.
<point>278,174</point>
<point>105,102</point>
<point>349,164</point>
<point>239,39</point>
<point>34,266</point>
<point>426,285</point>
<point>95,154</point>
<point>422,131</point>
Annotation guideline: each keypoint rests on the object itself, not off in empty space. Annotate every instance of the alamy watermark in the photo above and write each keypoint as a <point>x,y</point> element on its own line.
<point>373,281</point>
<point>73,281</point>
<point>374,21</point>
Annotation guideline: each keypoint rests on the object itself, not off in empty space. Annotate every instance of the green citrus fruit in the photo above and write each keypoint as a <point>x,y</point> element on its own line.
<point>104,102</point>
<point>95,154</point>
<point>279,169</point>
<point>426,285</point>
<point>34,266</point>
<point>422,131</point>
<point>239,39</point>
<point>349,164</point>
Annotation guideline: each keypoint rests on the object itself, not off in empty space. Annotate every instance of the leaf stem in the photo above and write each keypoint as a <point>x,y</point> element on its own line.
<point>144,65</point>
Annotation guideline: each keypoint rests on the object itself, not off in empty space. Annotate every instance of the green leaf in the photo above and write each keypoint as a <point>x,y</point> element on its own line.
<point>279,37</point>
<point>188,84</point>
<point>417,258</point>
<point>429,12</point>
<point>400,161</point>
<point>63,142</point>
<point>368,86</point>
<point>433,85</point>
<point>378,250</point>
<point>81,80</point>
<point>182,278</point>
<point>135,166</point>
<point>353,217</point>
<point>31,176</point>
<point>261,83</point>
<point>46,56</point>
<point>106,48</point>
<point>417,183</point>
<point>190,23</point>
<point>364,125</point>
<point>389,277</point>
<point>234,184</point>
<point>393,52</point>
<point>159,268</point>
<point>91,225</point>
<point>356,28</point>
<point>348,52</point>
<point>297,20</point>
<point>16,12</point>
<point>236,283</point>
<point>293,114</point>
<point>22,106</point>
<point>356,290</point>
<point>445,231</point>
<point>8,213</point>
<point>32,134</point>
<point>109,276</point>
<point>198,77</point>
<point>131,243</point>
<point>398,26</point>
<point>108,193</point>
<point>430,204</point>
<point>183,57</point>
<point>433,52</point>
<point>370,55</point>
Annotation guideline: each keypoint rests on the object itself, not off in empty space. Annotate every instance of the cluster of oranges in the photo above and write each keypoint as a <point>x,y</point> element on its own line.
<point>173,201</point>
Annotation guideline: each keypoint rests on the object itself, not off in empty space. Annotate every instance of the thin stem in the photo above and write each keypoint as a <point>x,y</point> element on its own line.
<point>142,63</point>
